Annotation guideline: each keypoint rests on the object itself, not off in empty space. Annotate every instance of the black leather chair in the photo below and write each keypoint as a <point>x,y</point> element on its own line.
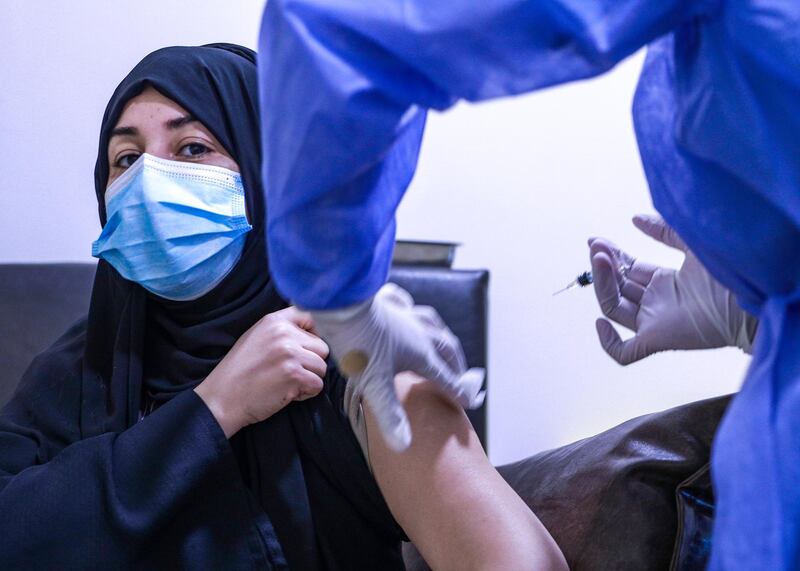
<point>611,501</point>
<point>37,304</point>
<point>39,301</point>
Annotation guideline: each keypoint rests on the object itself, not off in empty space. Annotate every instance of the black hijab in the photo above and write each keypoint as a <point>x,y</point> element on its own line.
<point>183,341</point>
<point>315,503</point>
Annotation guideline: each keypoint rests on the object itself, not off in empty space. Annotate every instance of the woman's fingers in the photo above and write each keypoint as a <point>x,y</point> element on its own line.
<point>313,343</point>
<point>609,296</point>
<point>313,362</point>
<point>301,319</point>
<point>309,384</point>
<point>311,351</point>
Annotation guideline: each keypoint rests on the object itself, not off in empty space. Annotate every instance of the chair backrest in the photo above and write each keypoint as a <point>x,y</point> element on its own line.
<point>38,302</point>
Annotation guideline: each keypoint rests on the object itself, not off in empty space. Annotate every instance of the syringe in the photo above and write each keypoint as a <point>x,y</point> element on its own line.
<point>586,278</point>
<point>582,280</point>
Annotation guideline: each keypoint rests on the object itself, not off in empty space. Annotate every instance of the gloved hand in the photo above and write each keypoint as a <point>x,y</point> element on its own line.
<point>668,309</point>
<point>375,340</point>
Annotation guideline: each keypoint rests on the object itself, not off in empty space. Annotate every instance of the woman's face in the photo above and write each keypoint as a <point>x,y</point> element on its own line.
<point>151,123</point>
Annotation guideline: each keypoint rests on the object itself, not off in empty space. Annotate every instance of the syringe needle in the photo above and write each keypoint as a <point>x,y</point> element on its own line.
<point>582,280</point>
<point>570,286</point>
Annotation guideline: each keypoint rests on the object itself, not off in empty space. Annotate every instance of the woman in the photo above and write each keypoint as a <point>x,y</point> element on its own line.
<point>190,421</point>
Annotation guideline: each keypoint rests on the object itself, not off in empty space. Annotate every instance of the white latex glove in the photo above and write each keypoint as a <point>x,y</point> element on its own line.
<point>668,309</point>
<point>377,339</point>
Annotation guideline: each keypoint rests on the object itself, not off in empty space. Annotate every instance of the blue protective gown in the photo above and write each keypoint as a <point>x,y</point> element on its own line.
<point>345,86</point>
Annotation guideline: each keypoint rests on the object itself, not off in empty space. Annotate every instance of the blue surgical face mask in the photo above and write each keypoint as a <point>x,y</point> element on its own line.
<point>175,228</point>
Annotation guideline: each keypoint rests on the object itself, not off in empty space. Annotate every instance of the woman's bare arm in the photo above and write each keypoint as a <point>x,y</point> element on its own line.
<point>448,498</point>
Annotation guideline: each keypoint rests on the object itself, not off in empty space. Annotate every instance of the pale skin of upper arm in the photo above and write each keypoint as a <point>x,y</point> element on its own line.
<point>449,499</point>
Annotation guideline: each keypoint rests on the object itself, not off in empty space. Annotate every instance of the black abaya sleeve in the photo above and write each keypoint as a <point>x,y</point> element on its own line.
<point>165,493</point>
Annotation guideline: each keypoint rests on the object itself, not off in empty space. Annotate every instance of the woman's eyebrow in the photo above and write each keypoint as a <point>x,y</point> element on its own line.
<point>179,122</point>
<point>172,124</point>
<point>119,131</point>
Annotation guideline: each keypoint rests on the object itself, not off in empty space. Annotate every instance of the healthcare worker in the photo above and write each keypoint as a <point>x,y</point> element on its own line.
<point>346,86</point>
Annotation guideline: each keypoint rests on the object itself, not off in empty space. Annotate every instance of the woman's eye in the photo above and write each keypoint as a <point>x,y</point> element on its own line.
<point>193,150</point>
<point>126,160</point>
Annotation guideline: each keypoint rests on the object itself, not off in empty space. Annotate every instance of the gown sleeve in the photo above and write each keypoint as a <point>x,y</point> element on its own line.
<point>344,89</point>
<point>103,501</point>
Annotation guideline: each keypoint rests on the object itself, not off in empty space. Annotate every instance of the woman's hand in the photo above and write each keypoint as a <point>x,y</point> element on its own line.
<point>668,309</point>
<point>278,360</point>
